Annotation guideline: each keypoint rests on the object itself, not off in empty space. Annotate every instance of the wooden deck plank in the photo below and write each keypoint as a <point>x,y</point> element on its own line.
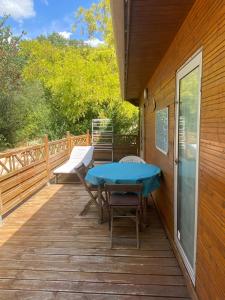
<point>47,251</point>
<point>93,267</point>
<point>7,250</point>
<point>170,262</point>
<point>40,295</point>
<point>93,277</point>
<point>94,287</point>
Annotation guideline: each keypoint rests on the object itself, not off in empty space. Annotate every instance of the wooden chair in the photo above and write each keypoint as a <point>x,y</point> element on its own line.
<point>93,191</point>
<point>137,159</point>
<point>124,196</point>
<point>132,158</point>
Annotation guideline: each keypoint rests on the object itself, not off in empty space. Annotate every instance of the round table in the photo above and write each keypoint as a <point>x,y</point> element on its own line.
<point>126,173</point>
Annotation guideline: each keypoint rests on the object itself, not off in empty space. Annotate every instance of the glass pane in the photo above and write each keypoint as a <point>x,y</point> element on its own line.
<point>162,130</point>
<point>187,154</point>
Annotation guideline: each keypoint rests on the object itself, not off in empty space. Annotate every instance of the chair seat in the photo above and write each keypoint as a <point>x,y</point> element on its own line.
<point>127,199</point>
<point>92,187</point>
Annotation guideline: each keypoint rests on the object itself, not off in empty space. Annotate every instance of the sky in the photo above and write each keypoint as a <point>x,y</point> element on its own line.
<point>37,17</point>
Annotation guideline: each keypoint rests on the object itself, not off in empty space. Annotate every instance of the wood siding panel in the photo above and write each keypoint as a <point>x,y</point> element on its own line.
<point>203,27</point>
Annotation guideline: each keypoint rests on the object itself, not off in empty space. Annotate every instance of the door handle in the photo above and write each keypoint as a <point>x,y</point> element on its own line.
<point>176,161</point>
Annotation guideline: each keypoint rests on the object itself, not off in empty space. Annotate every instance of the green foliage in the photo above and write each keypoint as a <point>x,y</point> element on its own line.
<point>10,63</point>
<point>10,80</point>
<point>57,40</point>
<point>81,82</point>
<point>24,113</point>
<point>35,118</point>
<point>51,84</point>
<point>96,20</point>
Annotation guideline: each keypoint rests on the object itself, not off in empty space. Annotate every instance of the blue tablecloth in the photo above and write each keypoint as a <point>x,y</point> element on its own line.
<point>129,173</point>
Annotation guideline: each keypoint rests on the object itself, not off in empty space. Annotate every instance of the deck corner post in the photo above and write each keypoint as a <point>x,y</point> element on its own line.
<point>69,142</point>
<point>88,138</point>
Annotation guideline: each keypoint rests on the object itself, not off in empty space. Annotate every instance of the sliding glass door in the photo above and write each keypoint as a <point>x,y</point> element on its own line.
<point>186,163</point>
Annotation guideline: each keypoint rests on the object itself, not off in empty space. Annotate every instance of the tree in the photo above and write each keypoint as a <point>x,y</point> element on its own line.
<point>51,85</point>
<point>24,112</point>
<point>57,40</point>
<point>35,119</point>
<point>11,64</point>
<point>80,82</point>
<point>97,22</point>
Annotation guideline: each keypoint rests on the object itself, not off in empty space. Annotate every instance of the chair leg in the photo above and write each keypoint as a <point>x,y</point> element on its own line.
<point>151,196</point>
<point>100,207</point>
<point>141,215</point>
<point>145,212</point>
<point>111,227</point>
<point>109,217</point>
<point>86,207</point>
<point>137,228</point>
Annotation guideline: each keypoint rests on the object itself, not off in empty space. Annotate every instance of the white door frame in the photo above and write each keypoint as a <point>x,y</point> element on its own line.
<point>192,63</point>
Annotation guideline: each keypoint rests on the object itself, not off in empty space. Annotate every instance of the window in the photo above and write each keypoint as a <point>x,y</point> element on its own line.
<point>161,135</point>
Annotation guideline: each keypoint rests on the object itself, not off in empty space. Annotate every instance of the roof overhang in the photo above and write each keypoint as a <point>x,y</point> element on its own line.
<point>143,31</point>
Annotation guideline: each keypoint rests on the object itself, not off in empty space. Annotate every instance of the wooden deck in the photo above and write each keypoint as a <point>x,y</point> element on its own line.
<point>49,252</point>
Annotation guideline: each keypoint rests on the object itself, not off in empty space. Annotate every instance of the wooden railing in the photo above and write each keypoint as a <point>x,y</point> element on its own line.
<point>25,170</point>
<point>123,145</point>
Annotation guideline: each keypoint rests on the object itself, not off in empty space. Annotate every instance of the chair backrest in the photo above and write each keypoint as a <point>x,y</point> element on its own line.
<point>124,188</point>
<point>81,173</point>
<point>132,158</point>
<point>129,188</point>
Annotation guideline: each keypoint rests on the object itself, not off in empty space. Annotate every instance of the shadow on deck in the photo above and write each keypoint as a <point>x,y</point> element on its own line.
<point>47,251</point>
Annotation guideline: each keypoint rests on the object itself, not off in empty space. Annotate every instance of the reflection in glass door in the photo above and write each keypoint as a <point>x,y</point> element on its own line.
<point>186,168</point>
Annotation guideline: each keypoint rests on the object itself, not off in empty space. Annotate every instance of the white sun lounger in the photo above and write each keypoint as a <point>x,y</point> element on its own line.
<point>79,155</point>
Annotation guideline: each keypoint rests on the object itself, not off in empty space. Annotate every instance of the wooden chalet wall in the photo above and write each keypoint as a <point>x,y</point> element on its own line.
<point>203,27</point>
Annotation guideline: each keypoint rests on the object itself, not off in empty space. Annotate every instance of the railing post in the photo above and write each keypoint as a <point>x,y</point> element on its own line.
<point>69,142</point>
<point>138,140</point>
<point>47,156</point>
<point>88,138</point>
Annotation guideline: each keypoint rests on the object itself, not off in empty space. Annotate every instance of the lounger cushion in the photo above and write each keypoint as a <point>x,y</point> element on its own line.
<point>79,155</point>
